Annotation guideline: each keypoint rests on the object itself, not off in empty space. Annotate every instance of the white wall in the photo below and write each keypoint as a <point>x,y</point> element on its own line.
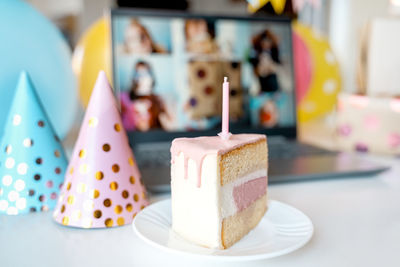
<point>346,20</point>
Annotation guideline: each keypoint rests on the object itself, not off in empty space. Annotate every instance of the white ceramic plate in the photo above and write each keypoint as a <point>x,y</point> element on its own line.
<point>282,230</point>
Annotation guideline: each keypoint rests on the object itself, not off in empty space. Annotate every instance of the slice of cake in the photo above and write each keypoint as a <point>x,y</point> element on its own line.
<point>218,187</point>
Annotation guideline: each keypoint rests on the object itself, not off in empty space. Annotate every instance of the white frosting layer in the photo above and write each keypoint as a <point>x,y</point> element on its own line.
<point>195,210</point>
<point>228,206</point>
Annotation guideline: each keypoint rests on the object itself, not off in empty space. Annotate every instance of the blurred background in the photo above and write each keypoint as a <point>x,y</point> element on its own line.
<point>342,21</point>
<point>355,32</point>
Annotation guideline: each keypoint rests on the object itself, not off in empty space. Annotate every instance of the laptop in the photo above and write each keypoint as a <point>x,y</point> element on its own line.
<point>168,69</point>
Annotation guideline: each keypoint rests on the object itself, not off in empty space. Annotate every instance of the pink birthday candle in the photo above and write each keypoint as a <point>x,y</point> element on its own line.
<point>225,134</point>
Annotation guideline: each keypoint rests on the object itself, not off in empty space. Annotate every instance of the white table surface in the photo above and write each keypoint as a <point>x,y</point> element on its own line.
<point>357,223</point>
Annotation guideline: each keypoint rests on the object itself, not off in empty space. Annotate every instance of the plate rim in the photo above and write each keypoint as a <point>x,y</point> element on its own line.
<point>226,257</point>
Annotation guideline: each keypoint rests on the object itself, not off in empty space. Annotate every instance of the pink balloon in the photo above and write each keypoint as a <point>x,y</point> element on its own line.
<point>302,66</point>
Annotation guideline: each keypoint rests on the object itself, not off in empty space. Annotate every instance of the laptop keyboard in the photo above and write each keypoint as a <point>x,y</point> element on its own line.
<point>288,150</point>
<point>158,154</point>
<point>153,155</point>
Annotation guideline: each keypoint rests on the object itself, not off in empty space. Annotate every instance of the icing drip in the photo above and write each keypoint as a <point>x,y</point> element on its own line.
<point>198,148</point>
<point>199,165</point>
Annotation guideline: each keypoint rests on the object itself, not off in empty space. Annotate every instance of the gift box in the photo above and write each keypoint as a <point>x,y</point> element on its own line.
<point>368,123</point>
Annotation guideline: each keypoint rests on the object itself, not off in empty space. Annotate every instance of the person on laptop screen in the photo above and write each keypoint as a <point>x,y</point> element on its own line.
<point>141,108</point>
<point>137,39</point>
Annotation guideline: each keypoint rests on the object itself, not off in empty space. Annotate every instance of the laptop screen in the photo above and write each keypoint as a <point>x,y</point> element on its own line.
<point>168,70</point>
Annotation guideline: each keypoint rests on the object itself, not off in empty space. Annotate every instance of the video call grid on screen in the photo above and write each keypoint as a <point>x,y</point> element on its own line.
<point>168,71</point>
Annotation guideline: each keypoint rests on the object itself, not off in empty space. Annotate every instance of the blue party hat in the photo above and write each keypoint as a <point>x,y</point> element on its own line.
<point>32,160</point>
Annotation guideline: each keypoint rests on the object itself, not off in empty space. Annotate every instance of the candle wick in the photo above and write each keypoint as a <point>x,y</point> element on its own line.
<point>225,79</point>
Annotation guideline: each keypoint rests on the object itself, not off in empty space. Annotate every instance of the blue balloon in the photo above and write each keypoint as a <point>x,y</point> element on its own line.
<point>31,42</point>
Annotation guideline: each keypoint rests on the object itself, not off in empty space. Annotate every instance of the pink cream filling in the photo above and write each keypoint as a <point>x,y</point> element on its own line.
<point>247,193</point>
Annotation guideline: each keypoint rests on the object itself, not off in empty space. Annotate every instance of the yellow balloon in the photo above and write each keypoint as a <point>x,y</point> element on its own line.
<point>325,81</point>
<point>92,54</point>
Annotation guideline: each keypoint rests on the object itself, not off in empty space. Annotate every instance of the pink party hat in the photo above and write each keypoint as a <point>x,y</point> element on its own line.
<point>102,186</point>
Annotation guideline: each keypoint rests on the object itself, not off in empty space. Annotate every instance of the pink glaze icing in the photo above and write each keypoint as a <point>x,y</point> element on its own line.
<point>247,193</point>
<point>199,147</point>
